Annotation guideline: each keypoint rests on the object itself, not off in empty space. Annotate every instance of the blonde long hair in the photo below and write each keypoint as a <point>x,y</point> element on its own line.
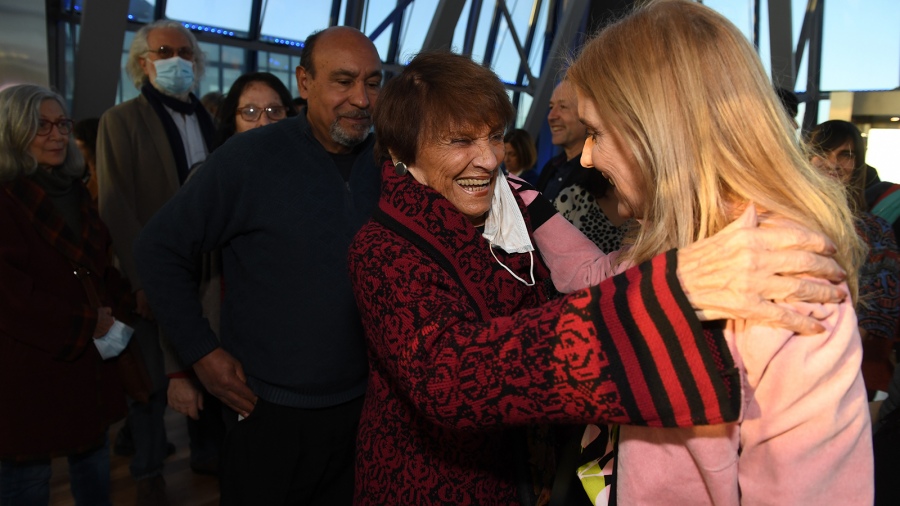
<point>689,96</point>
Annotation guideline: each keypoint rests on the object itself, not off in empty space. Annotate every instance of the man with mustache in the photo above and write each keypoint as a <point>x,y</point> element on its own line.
<point>283,203</point>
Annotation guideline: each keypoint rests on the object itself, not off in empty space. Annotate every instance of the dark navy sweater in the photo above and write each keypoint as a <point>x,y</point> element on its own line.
<point>274,201</point>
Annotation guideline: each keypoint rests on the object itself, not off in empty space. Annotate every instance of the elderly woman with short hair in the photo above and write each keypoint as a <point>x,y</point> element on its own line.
<point>464,340</point>
<point>59,394</point>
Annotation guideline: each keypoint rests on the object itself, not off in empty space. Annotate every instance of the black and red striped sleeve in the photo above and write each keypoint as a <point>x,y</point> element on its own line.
<point>667,369</point>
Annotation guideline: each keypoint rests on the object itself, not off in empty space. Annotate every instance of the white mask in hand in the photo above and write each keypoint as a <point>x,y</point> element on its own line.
<point>111,344</point>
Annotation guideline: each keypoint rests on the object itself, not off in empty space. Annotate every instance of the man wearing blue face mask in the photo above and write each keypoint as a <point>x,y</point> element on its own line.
<point>145,150</point>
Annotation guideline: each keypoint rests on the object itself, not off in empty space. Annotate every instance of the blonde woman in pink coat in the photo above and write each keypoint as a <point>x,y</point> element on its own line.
<point>690,134</point>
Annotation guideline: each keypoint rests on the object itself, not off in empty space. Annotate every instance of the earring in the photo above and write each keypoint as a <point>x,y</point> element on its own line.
<point>400,168</point>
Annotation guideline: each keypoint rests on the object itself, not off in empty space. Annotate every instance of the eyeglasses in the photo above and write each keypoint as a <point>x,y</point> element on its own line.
<point>846,156</point>
<point>46,126</point>
<point>252,113</point>
<point>166,52</point>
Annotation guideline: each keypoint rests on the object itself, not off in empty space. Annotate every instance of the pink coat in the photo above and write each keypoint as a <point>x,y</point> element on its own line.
<point>804,438</point>
<point>804,435</point>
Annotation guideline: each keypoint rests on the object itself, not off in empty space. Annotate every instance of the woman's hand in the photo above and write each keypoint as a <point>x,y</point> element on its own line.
<point>105,321</point>
<point>738,272</point>
<point>184,397</point>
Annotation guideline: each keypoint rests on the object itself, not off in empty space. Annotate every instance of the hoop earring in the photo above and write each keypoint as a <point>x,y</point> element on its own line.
<point>400,168</point>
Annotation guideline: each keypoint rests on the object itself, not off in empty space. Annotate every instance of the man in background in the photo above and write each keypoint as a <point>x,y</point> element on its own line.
<point>564,169</point>
<point>146,148</point>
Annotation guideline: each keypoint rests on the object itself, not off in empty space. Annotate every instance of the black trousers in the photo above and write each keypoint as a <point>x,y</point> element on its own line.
<point>291,456</point>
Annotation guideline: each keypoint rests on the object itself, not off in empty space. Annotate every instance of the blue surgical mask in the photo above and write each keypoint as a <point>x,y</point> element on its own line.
<point>174,76</point>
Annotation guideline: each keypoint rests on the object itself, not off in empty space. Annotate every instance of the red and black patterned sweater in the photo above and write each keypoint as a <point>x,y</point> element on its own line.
<point>460,352</point>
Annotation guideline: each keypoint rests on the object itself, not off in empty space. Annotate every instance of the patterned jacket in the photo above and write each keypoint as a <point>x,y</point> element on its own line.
<point>460,352</point>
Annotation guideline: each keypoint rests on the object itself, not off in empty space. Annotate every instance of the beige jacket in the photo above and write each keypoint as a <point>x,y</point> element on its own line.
<point>136,173</point>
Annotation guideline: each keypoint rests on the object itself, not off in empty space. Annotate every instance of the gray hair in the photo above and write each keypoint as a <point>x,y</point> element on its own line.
<point>140,47</point>
<point>20,112</point>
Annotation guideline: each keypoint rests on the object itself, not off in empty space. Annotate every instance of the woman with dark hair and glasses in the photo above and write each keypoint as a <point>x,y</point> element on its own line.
<point>255,99</point>
<point>838,149</point>
<point>58,296</point>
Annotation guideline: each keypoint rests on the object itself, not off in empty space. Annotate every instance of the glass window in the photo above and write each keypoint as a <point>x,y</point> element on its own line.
<point>481,29</point>
<point>803,73</point>
<point>293,20</point>
<point>525,101</point>
<point>506,55</point>
<point>224,64</point>
<point>282,66</point>
<point>861,45</point>
<point>126,91</point>
<point>229,76</point>
<point>459,33</point>
<point>881,152</point>
<point>739,12</point>
<point>537,47</point>
<point>765,47</point>
<point>72,32</point>
<point>824,111</point>
<point>376,12</point>
<point>211,80</point>
<point>233,57</point>
<point>138,10</point>
<point>416,22</point>
<point>211,17</point>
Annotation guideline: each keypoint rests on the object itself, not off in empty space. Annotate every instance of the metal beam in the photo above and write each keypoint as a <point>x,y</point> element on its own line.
<point>805,29</point>
<point>529,43</point>
<point>813,84</point>
<point>98,58</point>
<point>354,13</point>
<point>493,33</point>
<point>781,43</point>
<point>443,24</point>
<point>523,56</point>
<point>571,19</point>
<point>471,27</point>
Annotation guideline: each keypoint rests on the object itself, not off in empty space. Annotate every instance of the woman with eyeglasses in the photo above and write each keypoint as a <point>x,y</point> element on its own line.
<point>58,297</point>
<point>255,99</point>
<point>837,148</point>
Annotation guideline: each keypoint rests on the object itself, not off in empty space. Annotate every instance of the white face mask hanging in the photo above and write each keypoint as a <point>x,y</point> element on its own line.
<point>505,226</point>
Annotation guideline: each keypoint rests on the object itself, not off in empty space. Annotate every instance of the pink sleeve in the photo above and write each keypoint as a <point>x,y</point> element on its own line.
<point>804,436</point>
<point>574,261</point>
<point>806,418</point>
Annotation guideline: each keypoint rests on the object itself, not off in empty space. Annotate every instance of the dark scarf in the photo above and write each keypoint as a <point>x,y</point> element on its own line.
<point>430,222</point>
<point>62,191</point>
<point>81,247</point>
<point>159,102</point>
